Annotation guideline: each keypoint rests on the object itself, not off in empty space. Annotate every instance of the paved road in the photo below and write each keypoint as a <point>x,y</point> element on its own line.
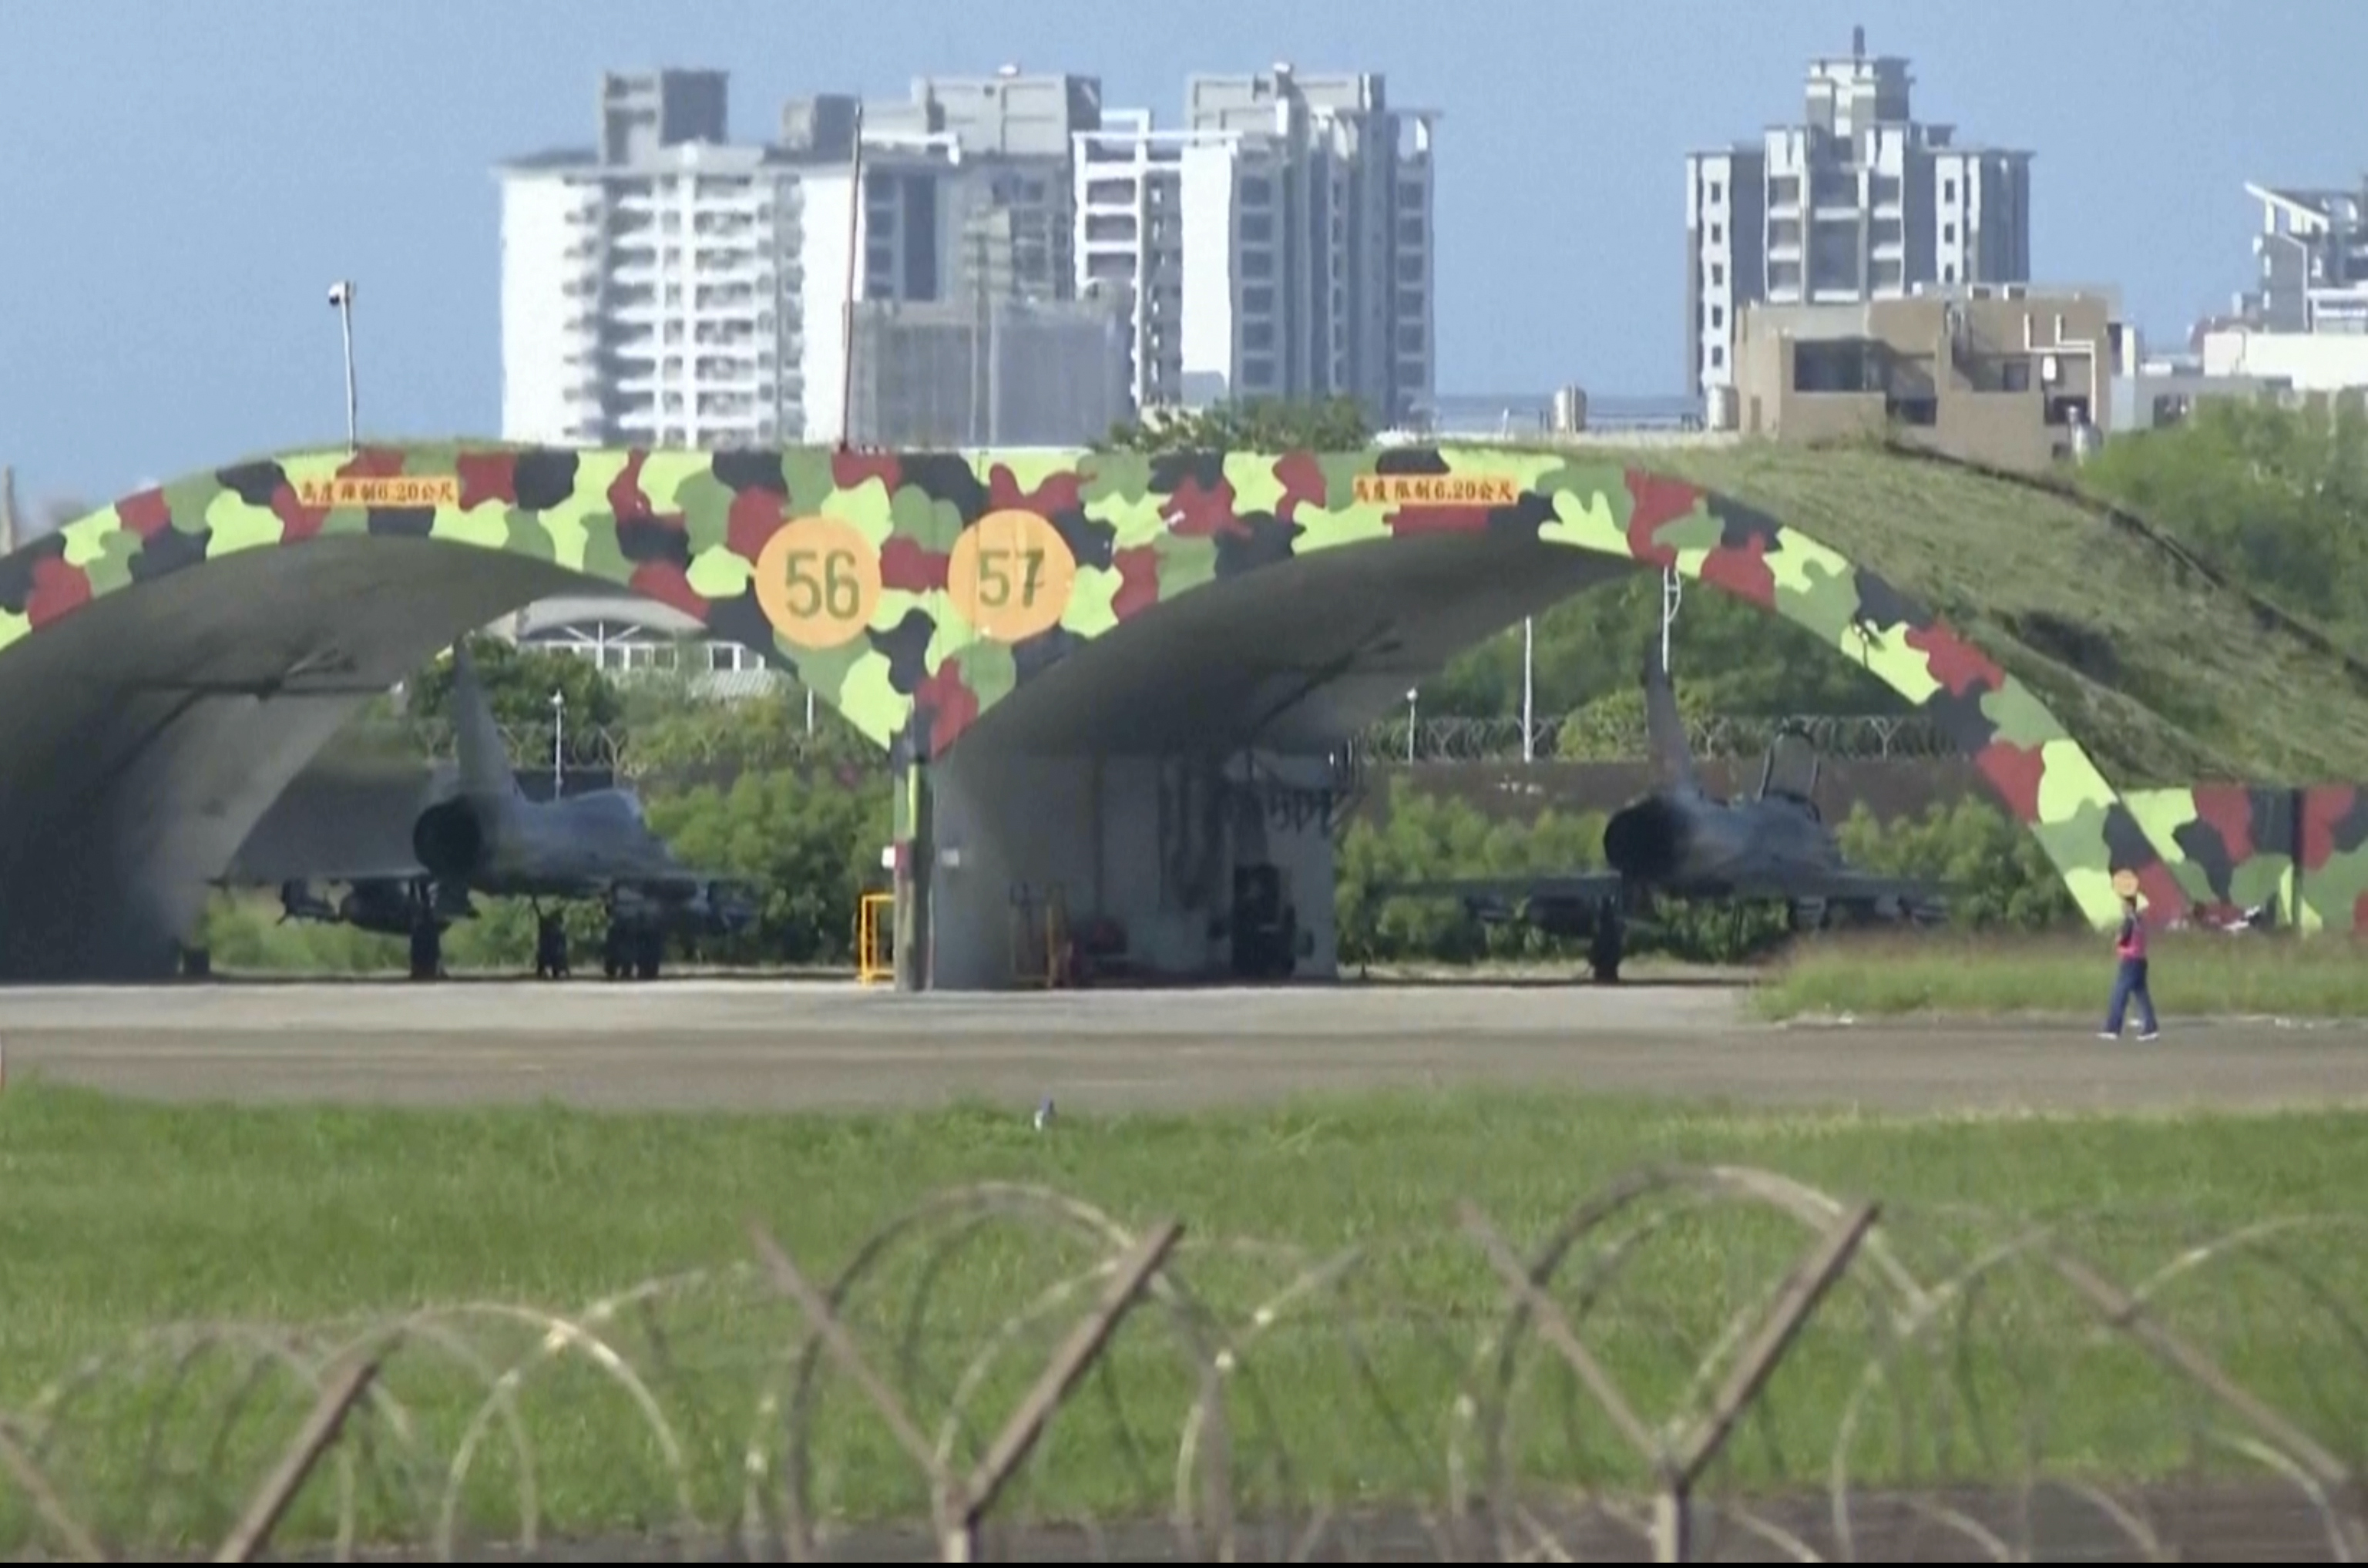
<point>772,1044</point>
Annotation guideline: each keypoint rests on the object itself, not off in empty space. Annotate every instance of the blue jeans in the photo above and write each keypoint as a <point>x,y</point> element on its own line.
<point>2130,984</point>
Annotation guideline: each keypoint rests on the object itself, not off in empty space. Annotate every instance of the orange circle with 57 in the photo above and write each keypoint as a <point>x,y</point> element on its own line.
<point>1011,574</point>
<point>818,582</point>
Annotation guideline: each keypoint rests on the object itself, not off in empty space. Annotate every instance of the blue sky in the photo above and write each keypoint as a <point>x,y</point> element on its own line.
<point>183,182</point>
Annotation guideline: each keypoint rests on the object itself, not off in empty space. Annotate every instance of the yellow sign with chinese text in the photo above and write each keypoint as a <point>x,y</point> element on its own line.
<point>381,490</point>
<point>1435,490</point>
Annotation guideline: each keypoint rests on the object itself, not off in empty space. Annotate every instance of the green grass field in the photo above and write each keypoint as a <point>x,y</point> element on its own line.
<point>2165,678</point>
<point>2191,975</point>
<point>121,1216</point>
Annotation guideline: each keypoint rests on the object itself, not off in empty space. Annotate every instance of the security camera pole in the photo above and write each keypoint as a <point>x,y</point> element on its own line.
<point>341,297</point>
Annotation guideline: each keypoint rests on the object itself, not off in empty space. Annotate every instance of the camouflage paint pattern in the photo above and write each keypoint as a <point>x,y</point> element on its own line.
<point>915,655</point>
<point>2235,848</point>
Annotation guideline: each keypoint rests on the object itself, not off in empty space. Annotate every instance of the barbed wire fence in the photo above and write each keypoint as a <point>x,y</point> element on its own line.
<point>1847,738</point>
<point>1696,1363</point>
<point>1867,737</point>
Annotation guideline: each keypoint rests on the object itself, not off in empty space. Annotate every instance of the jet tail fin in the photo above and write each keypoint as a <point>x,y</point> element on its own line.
<point>1665,729</point>
<point>485,771</point>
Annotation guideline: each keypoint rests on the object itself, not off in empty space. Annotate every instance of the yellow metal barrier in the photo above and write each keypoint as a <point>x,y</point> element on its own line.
<point>1040,935</point>
<point>875,938</point>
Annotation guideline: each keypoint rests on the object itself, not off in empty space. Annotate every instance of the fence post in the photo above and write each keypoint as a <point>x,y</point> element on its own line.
<point>1811,1277</point>
<point>1677,1472</point>
<point>269,1504</point>
<point>1075,1356</point>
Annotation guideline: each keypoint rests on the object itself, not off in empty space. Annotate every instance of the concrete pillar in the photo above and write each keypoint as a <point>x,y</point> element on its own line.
<point>915,848</point>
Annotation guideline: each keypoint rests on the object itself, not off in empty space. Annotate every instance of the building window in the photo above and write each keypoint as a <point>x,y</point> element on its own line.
<point>1257,190</point>
<point>1949,273</point>
<point>1718,316</point>
<point>1718,275</point>
<point>1718,355</point>
<point>1717,191</point>
<point>1948,190</point>
<point>1718,233</point>
<point>1948,233</point>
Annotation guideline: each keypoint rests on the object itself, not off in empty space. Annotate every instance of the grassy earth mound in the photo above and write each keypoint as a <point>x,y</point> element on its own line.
<point>2166,676</point>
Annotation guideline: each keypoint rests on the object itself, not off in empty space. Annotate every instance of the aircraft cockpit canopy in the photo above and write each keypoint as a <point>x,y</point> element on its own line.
<point>1791,769</point>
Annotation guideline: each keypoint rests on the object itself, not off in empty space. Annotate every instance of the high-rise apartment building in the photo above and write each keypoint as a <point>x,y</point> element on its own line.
<point>660,287</point>
<point>1279,244</point>
<point>669,287</point>
<point>1856,201</point>
<point>2313,254</point>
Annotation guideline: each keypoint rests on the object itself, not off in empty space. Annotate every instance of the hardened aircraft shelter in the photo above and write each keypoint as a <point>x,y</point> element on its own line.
<point>1112,679</point>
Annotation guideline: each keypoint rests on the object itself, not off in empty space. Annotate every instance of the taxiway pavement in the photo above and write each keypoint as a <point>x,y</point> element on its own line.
<point>818,1045</point>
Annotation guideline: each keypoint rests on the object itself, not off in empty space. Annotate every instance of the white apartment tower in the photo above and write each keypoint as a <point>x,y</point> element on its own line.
<point>1025,267</point>
<point>664,286</point>
<point>1278,246</point>
<point>1128,195</point>
<point>667,287</point>
<point>1858,202</point>
<point>2313,253</point>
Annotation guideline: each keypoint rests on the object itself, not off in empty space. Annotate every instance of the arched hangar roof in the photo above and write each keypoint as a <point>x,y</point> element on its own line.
<point>929,594</point>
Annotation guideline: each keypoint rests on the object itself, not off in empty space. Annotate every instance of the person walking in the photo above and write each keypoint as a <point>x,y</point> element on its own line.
<point>2130,972</point>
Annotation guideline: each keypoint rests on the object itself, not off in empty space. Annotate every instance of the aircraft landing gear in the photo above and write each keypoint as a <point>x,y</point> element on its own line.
<point>632,950</point>
<point>427,936</point>
<point>550,945</point>
<point>1603,952</point>
<point>426,951</point>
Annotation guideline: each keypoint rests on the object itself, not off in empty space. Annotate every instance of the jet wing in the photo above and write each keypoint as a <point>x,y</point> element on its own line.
<point>338,822</point>
<point>1578,886</point>
<point>1840,887</point>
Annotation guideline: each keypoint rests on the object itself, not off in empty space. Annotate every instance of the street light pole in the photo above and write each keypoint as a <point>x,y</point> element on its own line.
<point>1529,689</point>
<point>341,299</point>
<point>1672,590</point>
<point>558,738</point>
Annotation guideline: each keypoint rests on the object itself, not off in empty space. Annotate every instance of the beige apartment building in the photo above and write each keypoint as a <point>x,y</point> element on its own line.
<point>2007,375</point>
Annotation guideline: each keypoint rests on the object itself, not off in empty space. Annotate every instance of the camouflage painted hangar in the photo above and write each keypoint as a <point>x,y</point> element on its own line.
<point>1115,674</point>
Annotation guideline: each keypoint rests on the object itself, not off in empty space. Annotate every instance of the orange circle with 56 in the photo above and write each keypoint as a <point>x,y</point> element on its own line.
<point>818,582</point>
<point>1011,575</point>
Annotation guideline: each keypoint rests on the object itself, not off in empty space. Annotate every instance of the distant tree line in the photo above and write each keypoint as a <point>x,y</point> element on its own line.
<point>2273,497</point>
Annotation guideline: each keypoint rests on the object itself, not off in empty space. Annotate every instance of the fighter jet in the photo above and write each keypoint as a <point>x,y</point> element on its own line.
<point>480,834</point>
<point>1679,840</point>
